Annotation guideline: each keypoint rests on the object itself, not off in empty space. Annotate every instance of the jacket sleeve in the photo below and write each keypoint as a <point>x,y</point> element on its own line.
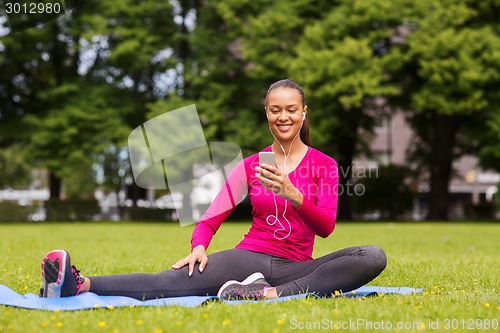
<point>320,217</point>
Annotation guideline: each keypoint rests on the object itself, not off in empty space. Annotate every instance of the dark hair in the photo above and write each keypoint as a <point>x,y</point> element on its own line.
<point>304,131</point>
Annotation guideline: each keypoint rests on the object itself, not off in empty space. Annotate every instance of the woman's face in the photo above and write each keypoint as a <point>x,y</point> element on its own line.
<point>285,113</point>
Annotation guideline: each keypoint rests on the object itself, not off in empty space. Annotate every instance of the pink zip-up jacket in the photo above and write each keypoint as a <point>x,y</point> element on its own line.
<point>292,235</point>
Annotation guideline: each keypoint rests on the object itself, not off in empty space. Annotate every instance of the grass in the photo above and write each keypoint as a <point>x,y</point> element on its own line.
<point>457,264</point>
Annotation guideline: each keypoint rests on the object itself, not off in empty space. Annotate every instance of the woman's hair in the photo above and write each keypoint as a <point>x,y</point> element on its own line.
<point>304,131</point>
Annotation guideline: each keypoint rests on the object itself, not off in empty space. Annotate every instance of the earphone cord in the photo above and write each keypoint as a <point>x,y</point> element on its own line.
<point>274,196</point>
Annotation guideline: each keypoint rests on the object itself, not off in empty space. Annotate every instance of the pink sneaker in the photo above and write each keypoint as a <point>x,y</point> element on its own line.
<point>252,288</point>
<point>59,278</point>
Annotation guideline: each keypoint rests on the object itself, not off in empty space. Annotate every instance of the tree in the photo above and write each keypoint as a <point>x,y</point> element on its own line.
<point>101,49</point>
<point>489,141</point>
<point>16,173</point>
<point>68,140</point>
<point>343,68</point>
<point>450,78</point>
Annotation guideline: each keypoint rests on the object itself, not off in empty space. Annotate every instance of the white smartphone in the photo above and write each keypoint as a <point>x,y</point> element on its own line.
<point>267,157</point>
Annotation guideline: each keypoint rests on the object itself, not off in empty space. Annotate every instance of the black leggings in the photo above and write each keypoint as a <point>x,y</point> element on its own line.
<point>343,270</point>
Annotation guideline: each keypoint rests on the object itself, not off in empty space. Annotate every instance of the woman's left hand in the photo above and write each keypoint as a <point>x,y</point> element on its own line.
<point>274,180</point>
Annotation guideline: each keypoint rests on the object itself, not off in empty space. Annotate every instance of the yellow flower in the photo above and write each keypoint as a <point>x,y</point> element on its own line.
<point>101,324</point>
<point>421,327</point>
<point>487,305</point>
<point>337,292</point>
<point>59,324</point>
<point>97,306</point>
<point>280,321</point>
<point>226,322</point>
<point>139,322</point>
<point>45,324</point>
<point>335,311</point>
<point>110,307</point>
<point>276,330</point>
<point>205,316</point>
<point>158,330</point>
<point>53,318</point>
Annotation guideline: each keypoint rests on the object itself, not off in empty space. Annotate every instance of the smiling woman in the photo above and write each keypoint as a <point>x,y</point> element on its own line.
<point>293,201</point>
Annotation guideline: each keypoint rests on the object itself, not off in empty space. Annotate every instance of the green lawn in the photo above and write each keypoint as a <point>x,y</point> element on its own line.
<point>457,264</point>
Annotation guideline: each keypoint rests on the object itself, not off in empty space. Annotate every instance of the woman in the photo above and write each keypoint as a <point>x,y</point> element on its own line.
<point>293,201</point>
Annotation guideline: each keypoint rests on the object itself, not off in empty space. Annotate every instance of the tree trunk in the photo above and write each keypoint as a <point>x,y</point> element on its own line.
<point>55,186</point>
<point>444,133</point>
<point>346,148</point>
<point>344,211</point>
<point>136,193</point>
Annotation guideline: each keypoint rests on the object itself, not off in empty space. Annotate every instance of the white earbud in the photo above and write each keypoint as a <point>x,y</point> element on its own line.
<point>304,116</point>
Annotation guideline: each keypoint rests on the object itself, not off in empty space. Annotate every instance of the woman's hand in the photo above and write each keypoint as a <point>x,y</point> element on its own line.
<point>272,179</point>
<point>197,255</point>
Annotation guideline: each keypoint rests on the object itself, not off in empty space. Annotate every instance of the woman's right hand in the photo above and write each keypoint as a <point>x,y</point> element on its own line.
<point>197,255</point>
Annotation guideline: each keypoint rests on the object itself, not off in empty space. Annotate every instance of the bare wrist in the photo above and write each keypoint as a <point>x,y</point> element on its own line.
<point>198,248</point>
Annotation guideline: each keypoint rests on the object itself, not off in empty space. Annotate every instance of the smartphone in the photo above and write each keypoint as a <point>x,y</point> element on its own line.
<point>267,157</point>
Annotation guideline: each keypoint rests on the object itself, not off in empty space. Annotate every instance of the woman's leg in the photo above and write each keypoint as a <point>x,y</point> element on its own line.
<point>222,266</point>
<point>343,270</point>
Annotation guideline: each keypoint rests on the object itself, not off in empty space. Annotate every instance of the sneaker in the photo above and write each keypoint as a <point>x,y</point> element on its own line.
<point>252,288</point>
<point>59,278</point>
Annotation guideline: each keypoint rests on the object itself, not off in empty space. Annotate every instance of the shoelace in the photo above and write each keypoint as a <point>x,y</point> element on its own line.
<point>78,277</point>
<point>252,295</point>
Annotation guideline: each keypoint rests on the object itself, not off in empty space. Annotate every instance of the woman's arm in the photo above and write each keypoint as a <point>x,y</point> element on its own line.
<point>320,216</point>
<point>233,191</point>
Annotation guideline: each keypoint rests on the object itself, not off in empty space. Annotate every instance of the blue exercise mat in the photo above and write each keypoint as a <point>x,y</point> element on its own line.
<point>92,301</point>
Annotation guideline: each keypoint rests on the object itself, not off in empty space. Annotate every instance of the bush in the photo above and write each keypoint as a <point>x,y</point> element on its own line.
<point>10,212</point>
<point>242,212</point>
<point>71,210</point>
<point>480,211</point>
<point>388,193</point>
<point>149,214</point>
